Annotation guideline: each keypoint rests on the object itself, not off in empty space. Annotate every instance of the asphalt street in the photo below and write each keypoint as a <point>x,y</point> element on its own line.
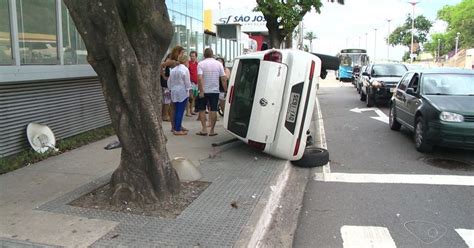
<point>377,190</point>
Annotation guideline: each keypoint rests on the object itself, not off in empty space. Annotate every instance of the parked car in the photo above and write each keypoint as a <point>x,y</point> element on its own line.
<point>355,74</point>
<point>360,79</point>
<point>271,99</point>
<point>380,81</point>
<point>437,105</point>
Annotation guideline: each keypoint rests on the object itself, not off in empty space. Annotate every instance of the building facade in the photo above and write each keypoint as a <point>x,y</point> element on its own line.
<point>44,75</point>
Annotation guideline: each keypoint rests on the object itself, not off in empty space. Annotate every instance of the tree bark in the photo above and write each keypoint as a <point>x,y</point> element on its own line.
<point>289,41</point>
<point>275,35</point>
<point>125,41</point>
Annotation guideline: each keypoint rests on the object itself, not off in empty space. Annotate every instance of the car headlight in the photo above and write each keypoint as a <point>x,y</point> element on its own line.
<point>451,117</point>
<point>377,84</point>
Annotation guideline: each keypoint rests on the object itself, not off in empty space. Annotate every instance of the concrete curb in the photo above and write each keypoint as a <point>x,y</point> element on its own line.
<point>257,228</point>
<point>271,207</point>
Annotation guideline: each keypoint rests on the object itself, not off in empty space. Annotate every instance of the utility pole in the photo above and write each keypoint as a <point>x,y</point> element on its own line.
<point>439,46</point>
<point>375,44</point>
<point>366,47</point>
<point>412,31</point>
<point>457,43</point>
<point>388,35</point>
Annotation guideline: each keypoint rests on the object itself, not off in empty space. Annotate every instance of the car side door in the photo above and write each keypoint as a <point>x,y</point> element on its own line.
<point>400,98</point>
<point>413,101</point>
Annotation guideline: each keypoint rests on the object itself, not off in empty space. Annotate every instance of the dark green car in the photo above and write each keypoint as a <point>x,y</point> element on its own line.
<point>437,105</point>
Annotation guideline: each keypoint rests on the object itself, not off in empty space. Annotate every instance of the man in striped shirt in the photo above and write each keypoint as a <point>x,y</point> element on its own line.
<point>210,71</point>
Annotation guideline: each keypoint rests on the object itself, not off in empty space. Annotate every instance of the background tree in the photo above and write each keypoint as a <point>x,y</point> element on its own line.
<point>125,41</point>
<point>459,18</point>
<point>402,34</point>
<point>310,36</point>
<point>283,16</point>
<point>441,41</point>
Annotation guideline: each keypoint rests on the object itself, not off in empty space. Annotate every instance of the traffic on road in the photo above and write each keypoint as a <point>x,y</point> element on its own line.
<point>378,190</point>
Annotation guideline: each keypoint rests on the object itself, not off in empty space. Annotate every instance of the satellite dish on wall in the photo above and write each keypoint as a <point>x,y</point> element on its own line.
<point>41,137</point>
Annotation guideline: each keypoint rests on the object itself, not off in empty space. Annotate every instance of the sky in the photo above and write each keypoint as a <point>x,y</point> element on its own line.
<point>345,26</point>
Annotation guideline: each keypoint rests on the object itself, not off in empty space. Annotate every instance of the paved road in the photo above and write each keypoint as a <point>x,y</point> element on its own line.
<point>378,191</point>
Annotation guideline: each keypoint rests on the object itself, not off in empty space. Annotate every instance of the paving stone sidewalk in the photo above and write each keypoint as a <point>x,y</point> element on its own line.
<point>236,172</point>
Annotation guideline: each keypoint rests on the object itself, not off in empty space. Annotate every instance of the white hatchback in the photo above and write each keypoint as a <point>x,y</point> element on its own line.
<point>270,100</point>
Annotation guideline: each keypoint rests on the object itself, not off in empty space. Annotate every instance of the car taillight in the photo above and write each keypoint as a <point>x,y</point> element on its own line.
<point>231,96</point>
<point>311,73</point>
<point>297,147</point>
<point>274,56</point>
<point>257,145</point>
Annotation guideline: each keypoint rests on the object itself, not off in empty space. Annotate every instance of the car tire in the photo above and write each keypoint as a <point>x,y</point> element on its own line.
<point>369,100</point>
<point>392,119</point>
<point>362,95</point>
<point>313,157</point>
<point>421,144</point>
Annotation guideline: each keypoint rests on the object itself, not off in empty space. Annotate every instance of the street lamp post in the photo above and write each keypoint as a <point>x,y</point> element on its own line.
<point>366,47</point>
<point>439,46</point>
<point>388,44</point>
<point>375,44</point>
<point>457,43</point>
<point>412,30</point>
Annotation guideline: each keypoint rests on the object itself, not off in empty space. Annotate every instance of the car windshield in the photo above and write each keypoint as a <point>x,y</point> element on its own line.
<point>448,84</point>
<point>353,59</point>
<point>388,70</point>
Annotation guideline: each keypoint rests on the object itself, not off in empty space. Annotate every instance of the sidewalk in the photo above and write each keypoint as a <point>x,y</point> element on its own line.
<point>34,210</point>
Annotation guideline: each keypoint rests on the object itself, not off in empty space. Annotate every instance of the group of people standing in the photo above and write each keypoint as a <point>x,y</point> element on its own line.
<point>191,86</point>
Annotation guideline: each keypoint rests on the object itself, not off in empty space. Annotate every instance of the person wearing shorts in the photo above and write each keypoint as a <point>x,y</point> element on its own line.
<point>222,92</point>
<point>210,73</point>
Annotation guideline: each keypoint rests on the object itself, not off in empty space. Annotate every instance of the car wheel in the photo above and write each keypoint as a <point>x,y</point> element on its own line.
<point>420,136</point>
<point>362,95</point>
<point>313,157</point>
<point>369,100</point>
<point>392,119</point>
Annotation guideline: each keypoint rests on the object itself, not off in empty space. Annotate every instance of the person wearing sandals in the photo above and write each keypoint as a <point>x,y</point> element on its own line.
<point>210,73</point>
<point>179,84</point>
<point>222,92</point>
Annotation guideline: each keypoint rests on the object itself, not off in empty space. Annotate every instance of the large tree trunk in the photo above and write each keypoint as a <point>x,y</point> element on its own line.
<point>274,33</point>
<point>125,41</point>
<point>289,41</point>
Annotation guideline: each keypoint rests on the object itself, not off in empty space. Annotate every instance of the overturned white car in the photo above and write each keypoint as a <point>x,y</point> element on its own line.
<point>271,97</point>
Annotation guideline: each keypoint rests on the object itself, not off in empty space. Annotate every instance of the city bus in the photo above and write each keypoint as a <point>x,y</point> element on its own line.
<point>351,62</point>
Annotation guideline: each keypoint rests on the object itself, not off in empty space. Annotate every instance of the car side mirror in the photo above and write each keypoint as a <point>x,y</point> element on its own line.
<point>410,91</point>
<point>365,73</point>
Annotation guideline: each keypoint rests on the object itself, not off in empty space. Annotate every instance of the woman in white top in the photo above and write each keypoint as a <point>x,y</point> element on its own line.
<point>179,83</point>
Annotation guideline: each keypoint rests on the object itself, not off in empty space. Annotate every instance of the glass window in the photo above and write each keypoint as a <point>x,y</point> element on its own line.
<point>244,93</point>
<point>404,82</point>
<point>37,31</point>
<point>74,49</point>
<point>388,70</point>
<point>5,38</point>
<point>448,84</point>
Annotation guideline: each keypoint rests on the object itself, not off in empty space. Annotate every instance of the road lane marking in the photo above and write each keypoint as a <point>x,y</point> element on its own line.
<point>381,115</point>
<point>366,236</point>
<point>467,235</point>
<point>322,136</point>
<point>396,178</point>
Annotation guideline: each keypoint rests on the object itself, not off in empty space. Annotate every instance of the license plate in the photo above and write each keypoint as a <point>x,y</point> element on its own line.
<point>293,107</point>
<point>392,90</point>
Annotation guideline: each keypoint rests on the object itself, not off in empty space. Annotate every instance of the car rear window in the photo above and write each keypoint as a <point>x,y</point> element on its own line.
<point>244,93</point>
